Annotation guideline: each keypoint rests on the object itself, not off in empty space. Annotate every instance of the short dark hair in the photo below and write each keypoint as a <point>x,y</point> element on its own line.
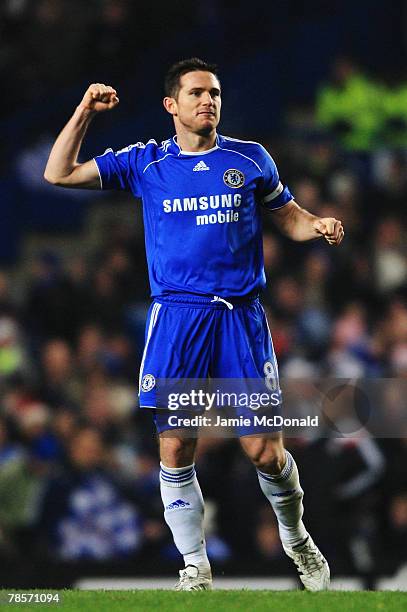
<point>172,79</point>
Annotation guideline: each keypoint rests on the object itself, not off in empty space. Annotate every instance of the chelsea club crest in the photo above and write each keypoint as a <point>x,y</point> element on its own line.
<point>233,178</point>
<point>148,382</point>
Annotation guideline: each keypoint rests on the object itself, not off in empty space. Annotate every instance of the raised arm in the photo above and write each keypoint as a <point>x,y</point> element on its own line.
<point>299,224</point>
<point>62,167</point>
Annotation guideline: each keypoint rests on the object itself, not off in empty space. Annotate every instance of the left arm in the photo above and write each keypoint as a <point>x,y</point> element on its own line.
<point>300,225</point>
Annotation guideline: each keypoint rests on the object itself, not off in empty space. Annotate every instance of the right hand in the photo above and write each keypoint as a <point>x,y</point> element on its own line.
<point>99,98</point>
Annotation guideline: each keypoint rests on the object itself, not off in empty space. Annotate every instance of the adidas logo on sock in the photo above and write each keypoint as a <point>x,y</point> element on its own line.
<point>201,166</point>
<point>285,493</point>
<point>179,503</point>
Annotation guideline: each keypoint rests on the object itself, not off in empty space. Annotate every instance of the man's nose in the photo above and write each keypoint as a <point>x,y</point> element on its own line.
<point>207,98</point>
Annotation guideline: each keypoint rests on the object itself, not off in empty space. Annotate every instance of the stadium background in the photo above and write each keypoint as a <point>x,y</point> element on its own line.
<point>321,85</point>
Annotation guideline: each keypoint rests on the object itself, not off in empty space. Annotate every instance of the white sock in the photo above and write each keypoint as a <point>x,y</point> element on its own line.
<point>184,511</point>
<point>285,495</point>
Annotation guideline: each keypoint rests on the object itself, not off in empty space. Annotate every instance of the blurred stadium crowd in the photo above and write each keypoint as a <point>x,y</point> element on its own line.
<point>109,39</point>
<point>78,462</point>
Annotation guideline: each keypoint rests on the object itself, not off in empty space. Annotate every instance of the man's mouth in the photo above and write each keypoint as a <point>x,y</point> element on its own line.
<point>210,113</point>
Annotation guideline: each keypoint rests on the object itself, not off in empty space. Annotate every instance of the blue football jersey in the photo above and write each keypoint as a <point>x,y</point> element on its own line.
<point>201,212</point>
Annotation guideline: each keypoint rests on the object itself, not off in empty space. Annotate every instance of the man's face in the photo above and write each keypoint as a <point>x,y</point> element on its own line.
<point>197,106</point>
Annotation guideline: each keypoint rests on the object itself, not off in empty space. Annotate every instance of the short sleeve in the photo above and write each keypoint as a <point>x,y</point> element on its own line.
<point>274,194</point>
<point>119,169</point>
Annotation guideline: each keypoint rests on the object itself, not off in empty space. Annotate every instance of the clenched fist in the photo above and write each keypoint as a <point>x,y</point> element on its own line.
<point>331,229</point>
<point>99,98</point>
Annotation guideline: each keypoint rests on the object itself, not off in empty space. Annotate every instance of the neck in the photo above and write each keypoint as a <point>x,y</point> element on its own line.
<point>191,142</point>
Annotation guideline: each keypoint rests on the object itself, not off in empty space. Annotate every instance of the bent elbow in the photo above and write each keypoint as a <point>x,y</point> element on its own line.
<point>50,178</point>
<point>54,180</point>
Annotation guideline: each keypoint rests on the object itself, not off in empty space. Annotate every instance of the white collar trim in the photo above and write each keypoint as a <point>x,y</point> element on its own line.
<point>181,152</point>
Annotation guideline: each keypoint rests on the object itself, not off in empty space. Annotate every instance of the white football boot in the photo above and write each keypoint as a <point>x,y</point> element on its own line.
<point>312,566</point>
<point>194,578</point>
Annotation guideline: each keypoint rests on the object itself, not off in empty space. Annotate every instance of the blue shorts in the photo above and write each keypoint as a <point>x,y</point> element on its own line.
<point>192,337</point>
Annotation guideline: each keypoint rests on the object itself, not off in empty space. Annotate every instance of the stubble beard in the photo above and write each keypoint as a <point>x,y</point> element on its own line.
<point>204,131</point>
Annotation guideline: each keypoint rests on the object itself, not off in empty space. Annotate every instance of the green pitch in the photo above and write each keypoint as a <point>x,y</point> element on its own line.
<point>217,601</point>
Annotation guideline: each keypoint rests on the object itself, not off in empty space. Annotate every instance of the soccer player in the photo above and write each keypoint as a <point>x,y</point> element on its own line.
<point>201,195</point>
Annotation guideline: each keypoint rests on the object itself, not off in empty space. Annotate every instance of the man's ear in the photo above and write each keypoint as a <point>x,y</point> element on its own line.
<point>170,105</point>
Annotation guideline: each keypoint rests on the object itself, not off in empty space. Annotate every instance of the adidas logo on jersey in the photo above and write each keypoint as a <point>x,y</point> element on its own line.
<point>201,166</point>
